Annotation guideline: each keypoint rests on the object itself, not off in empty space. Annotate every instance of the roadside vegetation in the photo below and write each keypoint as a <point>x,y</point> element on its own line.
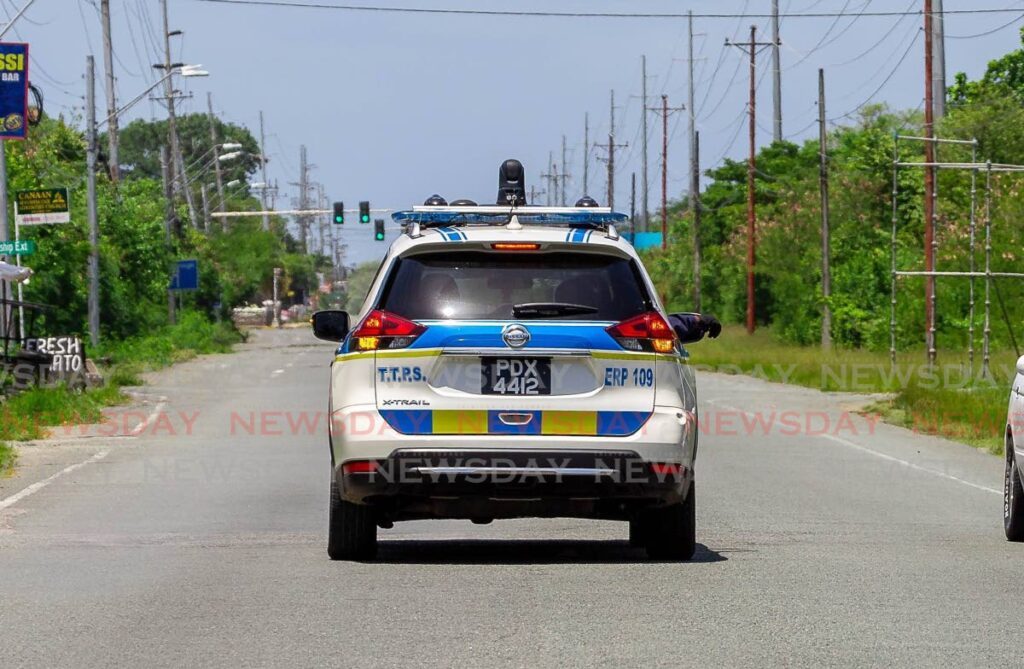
<point>789,300</point>
<point>236,261</point>
<point>947,401</point>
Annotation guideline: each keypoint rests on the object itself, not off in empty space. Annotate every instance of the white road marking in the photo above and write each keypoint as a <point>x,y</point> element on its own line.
<point>39,485</point>
<point>276,372</point>
<point>157,410</point>
<point>877,454</point>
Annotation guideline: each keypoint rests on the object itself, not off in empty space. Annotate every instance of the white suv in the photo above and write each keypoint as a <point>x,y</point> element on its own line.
<point>1013,493</point>
<point>512,362</point>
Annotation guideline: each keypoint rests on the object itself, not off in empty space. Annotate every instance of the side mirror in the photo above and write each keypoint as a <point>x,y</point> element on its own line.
<point>691,327</point>
<point>1020,365</point>
<point>330,325</point>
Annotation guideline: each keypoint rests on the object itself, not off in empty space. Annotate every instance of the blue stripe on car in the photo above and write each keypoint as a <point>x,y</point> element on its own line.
<point>579,335</point>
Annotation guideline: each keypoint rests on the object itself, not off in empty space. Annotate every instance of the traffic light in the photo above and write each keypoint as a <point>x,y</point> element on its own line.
<point>339,213</point>
<point>378,229</point>
<point>364,212</point>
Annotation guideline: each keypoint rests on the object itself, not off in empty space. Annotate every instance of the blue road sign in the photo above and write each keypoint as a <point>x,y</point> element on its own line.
<point>186,275</point>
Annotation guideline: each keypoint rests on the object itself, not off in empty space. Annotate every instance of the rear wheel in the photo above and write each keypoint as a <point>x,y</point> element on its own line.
<point>1013,498</point>
<point>671,532</point>
<point>352,529</point>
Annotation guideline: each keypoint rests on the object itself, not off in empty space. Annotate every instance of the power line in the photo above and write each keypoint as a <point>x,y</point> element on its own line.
<point>594,15</point>
<point>988,32</point>
<point>884,82</point>
<point>822,43</point>
<point>874,46</point>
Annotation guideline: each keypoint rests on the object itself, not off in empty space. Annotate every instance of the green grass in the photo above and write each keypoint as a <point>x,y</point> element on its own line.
<point>27,415</point>
<point>7,457</point>
<point>193,335</point>
<point>947,401</point>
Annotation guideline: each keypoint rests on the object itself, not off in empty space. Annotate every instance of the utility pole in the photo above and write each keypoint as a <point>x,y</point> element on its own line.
<point>664,111</point>
<point>193,213</point>
<point>263,170</point>
<point>551,179</point>
<point>694,171</point>
<point>90,168</point>
<point>322,204</point>
<point>696,231</point>
<point>169,221</point>
<point>586,153</point>
<point>611,152</point>
<point>172,125</point>
<point>929,184</point>
<point>548,189</point>
<point>565,171</point>
<point>753,46</point>
<point>826,272</point>
<point>108,66</point>
<point>214,141</point>
<point>610,147</point>
<point>632,206</point>
<point>776,75</point>
<point>303,193</point>
<point>643,172</point>
<point>205,199</point>
<point>939,59</point>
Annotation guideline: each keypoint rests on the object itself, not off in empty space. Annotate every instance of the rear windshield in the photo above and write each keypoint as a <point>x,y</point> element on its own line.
<point>484,286</point>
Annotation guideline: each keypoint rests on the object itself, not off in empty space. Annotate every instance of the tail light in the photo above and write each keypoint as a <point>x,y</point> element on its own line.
<point>383,330</point>
<point>360,467</point>
<point>646,332</point>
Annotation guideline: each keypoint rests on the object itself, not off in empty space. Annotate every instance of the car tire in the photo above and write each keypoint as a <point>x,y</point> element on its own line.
<point>671,531</point>
<point>352,529</point>
<point>1013,498</point>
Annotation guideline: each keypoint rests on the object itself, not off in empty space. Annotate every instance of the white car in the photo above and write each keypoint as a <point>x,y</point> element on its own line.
<point>1013,493</point>
<point>512,361</point>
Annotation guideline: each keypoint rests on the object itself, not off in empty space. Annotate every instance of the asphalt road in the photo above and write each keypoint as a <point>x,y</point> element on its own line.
<point>200,541</point>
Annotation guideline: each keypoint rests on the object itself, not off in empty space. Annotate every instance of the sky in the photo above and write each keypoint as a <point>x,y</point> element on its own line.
<point>394,107</point>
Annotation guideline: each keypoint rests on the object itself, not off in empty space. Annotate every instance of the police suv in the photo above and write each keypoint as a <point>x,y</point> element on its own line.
<point>512,361</point>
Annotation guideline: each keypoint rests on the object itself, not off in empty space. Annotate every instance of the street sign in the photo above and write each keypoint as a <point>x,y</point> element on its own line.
<point>21,247</point>
<point>186,275</point>
<point>39,207</point>
<point>13,90</point>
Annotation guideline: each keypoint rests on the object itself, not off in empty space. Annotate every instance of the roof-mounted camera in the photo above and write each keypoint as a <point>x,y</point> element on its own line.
<point>511,183</point>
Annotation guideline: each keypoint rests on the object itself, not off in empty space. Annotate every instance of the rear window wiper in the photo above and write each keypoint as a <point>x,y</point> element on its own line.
<point>550,309</point>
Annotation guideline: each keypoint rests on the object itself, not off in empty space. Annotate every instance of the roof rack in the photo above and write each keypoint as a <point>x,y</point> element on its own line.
<point>601,218</point>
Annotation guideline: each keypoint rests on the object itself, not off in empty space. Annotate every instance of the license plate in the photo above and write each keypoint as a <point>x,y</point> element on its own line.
<point>516,376</point>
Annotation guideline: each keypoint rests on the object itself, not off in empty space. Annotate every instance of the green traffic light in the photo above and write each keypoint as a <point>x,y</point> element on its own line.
<point>380,236</point>
<point>339,219</point>
<point>365,219</point>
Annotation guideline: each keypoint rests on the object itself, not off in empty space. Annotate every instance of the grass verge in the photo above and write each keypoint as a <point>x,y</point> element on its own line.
<point>7,458</point>
<point>947,400</point>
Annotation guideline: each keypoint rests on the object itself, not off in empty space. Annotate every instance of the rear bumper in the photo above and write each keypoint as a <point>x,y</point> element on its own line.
<point>445,483</point>
<point>497,476</point>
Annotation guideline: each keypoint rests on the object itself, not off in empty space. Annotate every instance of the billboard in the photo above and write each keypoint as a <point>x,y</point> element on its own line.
<point>36,207</point>
<point>13,90</point>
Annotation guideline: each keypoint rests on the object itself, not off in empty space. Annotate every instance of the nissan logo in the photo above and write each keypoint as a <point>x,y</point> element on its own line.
<point>515,335</point>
